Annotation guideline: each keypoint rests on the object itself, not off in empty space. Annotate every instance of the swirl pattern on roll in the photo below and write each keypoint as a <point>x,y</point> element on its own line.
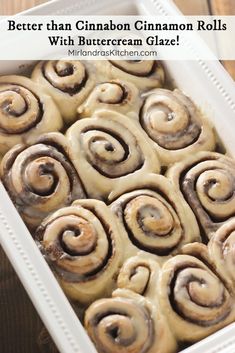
<point>139,274</point>
<point>68,82</point>
<point>145,74</point>
<point>175,125</point>
<point>25,112</point>
<point>193,298</point>
<point>127,323</point>
<point>207,183</point>
<point>222,251</point>
<point>82,245</point>
<point>40,177</point>
<point>153,217</point>
<point>117,95</point>
<point>109,149</point>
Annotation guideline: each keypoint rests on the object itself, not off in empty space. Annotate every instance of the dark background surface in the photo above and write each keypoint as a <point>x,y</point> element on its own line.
<point>21,330</point>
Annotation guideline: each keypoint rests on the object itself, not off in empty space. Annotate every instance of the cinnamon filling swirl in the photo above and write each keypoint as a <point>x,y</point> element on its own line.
<point>139,68</point>
<point>67,76</point>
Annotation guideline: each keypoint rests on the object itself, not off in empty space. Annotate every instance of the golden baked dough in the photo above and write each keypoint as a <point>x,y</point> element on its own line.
<point>128,323</point>
<point>68,82</point>
<point>145,74</point>
<point>221,249</point>
<point>40,178</point>
<point>152,216</point>
<point>117,95</point>
<point>192,296</point>
<point>140,275</point>
<point>170,289</point>
<point>109,149</point>
<point>207,182</point>
<point>82,245</point>
<point>175,125</point>
<point>26,111</point>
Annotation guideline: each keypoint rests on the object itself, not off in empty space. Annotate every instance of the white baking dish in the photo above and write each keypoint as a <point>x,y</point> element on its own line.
<point>208,84</point>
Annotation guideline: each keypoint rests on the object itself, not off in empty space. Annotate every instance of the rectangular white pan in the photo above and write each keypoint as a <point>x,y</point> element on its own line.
<point>210,87</point>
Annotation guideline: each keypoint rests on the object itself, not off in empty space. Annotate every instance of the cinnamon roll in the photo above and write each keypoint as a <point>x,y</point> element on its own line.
<point>222,251</point>
<point>128,323</point>
<point>193,298</point>
<point>207,182</point>
<point>108,150</point>
<point>175,125</point>
<point>153,217</point>
<point>25,112</point>
<point>140,275</point>
<point>40,177</point>
<point>117,95</point>
<point>82,245</point>
<point>145,74</point>
<point>68,82</point>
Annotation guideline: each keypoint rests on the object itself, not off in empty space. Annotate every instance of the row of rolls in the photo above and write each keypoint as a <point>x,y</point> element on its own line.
<point>103,156</point>
<point>119,183</point>
<point>137,296</point>
<point>61,92</point>
<point>141,249</point>
<point>56,95</point>
<point>163,309</point>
